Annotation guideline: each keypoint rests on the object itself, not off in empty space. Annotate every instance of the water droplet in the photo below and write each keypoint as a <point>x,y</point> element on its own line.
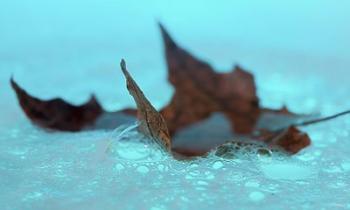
<point>256,196</point>
<point>119,167</point>
<point>333,169</point>
<point>193,165</point>
<point>217,165</point>
<point>339,184</point>
<point>158,208</point>
<point>203,183</point>
<point>209,175</point>
<point>143,169</point>
<point>185,199</point>
<point>252,184</point>
<point>306,157</point>
<point>264,152</point>
<point>346,166</point>
<point>161,167</point>
<point>33,196</point>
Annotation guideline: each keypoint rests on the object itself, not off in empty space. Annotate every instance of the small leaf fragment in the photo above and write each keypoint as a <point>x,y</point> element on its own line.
<point>152,123</point>
<point>290,139</point>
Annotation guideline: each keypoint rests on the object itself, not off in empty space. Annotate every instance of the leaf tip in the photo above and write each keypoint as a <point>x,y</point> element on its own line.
<point>14,85</point>
<point>18,90</point>
<point>123,67</point>
<point>168,40</point>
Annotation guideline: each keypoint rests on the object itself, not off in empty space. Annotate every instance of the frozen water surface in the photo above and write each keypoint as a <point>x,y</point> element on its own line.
<point>298,51</point>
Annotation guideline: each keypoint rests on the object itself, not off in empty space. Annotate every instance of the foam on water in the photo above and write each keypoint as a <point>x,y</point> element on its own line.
<point>93,170</point>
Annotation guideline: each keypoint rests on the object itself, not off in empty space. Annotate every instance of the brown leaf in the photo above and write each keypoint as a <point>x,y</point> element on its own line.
<point>56,113</point>
<point>291,139</point>
<point>200,91</point>
<point>152,123</point>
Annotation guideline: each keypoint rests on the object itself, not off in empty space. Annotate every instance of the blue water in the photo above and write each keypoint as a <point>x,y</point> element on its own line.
<point>298,51</point>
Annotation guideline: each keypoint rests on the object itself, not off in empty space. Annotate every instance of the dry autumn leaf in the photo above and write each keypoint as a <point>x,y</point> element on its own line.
<point>200,91</point>
<point>152,123</point>
<point>56,113</point>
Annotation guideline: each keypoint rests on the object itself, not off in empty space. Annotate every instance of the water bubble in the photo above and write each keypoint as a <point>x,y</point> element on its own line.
<point>346,166</point>
<point>217,165</point>
<point>252,184</point>
<point>193,165</point>
<point>256,196</point>
<point>209,175</point>
<point>158,208</point>
<point>338,184</point>
<point>185,199</point>
<point>119,167</point>
<point>203,183</point>
<point>142,169</point>
<point>333,169</point>
<point>33,196</point>
<point>272,188</point>
<point>193,174</point>
<point>264,152</point>
<point>306,157</point>
<point>161,167</point>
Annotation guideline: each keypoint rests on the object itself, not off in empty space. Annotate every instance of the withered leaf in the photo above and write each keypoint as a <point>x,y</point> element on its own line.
<point>56,113</point>
<point>152,123</point>
<point>200,91</point>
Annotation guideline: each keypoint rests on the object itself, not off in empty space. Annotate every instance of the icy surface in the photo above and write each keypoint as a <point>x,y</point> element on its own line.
<point>298,52</point>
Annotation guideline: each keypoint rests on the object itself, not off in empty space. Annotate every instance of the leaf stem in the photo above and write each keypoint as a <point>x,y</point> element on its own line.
<point>314,121</point>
